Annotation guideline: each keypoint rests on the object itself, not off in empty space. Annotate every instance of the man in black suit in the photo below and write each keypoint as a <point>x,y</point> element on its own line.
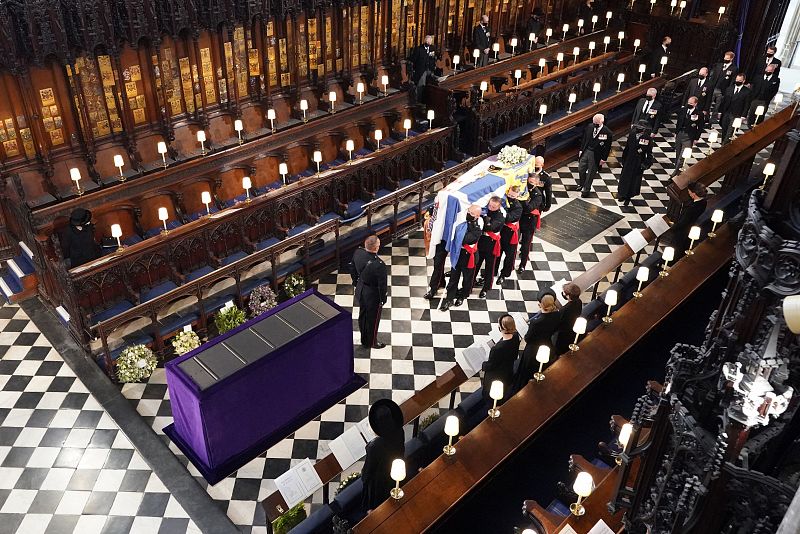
<point>423,60</point>
<point>437,277</point>
<point>370,277</point>
<point>734,104</point>
<point>595,148</point>
<point>690,124</point>
<point>769,59</point>
<point>463,259</point>
<point>489,247</point>
<point>648,109</point>
<point>764,88</point>
<point>700,87</point>
<point>481,40</point>
<point>654,69</point>
<point>722,76</point>
<point>509,233</point>
<point>679,233</point>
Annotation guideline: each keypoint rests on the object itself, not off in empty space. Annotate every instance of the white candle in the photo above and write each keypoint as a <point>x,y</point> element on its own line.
<point>349,145</point>
<point>119,163</point>
<point>116,232</point>
<point>360,90</point>
<point>407,126</point>
<point>283,170</point>
<point>378,137</point>
<point>332,100</point>
<point>247,185</point>
<point>385,83</point>
<point>271,117</point>
<point>163,216</point>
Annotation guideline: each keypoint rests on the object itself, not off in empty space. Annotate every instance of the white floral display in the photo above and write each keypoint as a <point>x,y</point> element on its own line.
<point>185,342</point>
<point>512,155</point>
<point>136,363</point>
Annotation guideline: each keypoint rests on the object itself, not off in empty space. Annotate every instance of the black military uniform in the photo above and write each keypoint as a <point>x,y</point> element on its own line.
<point>702,89</point>
<point>647,110</point>
<point>538,201</point>
<point>370,278</point>
<point>437,277</point>
<point>489,249</point>
<point>509,236</point>
<point>735,103</point>
<point>690,125</point>
<point>464,267</point>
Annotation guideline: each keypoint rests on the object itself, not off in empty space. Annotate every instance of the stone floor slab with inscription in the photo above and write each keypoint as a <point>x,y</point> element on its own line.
<point>576,223</point>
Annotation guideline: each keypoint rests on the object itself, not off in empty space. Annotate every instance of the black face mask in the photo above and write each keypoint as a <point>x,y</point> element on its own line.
<point>739,84</point>
<point>767,73</point>
<point>470,218</point>
<point>702,77</point>
<point>770,55</point>
<point>650,97</point>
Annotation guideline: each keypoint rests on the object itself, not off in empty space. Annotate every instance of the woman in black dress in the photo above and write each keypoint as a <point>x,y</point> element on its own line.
<point>500,365</point>
<point>637,156</point>
<point>540,332</point>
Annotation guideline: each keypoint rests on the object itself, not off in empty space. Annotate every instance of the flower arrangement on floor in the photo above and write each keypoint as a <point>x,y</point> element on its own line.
<point>293,517</point>
<point>294,285</point>
<point>346,481</point>
<point>228,319</point>
<point>511,155</point>
<point>136,363</point>
<point>262,298</point>
<point>185,341</point>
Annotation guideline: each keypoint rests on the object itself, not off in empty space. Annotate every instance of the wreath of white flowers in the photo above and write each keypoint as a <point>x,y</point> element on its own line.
<point>135,364</point>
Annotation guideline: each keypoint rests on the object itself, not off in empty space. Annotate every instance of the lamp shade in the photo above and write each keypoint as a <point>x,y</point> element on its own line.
<point>317,156</point>
<point>431,114</point>
<point>737,122</point>
<point>594,19</point>
<point>163,215</point>
<point>116,230</point>
<point>637,43</point>
<point>687,152</point>
<point>668,254</point>
<point>283,168</point>
<point>596,87</point>
<point>246,182</point>
<point>542,109</point>
<point>496,390</point>
<point>606,40</point>
<point>456,59</point>
<point>791,313</point>
<point>542,62</point>
<point>583,485</point>
<point>694,232</point>
<point>451,426</point>
<point>205,197</point>
<point>543,354</point>
<point>118,161</point>
<point>576,51</point>
<point>378,135</point>
<point>621,35</point>
<point>592,45</point>
<point>384,80</point>
<point>349,145</point>
<point>721,10</point>
<point>713,136</point>
<point>528,531</point>
<point>513,41</point>
<point>717,216</point>
<point>549,32</point>
<point>580,23</point>
<point>271,114</point>
<point>611,297</point>
<point>580,325</point>
<point>759,110</point>
<point>664,60</point>
<point>625,434</point>
<point>332,96</point>
<point>572,98</point>
<point>201,136</point>
<point>476,53</point>
<point>398,470</point>
<point>609,14</point>
<point>621,77</point>
<point>682,4</point>
<point>237,125</point>
<point>518,74</point>
<point>642,67</point>
<point>360,87</point>
<point>643,274</point>
<point>496,47</point>
<point>162,147</point>
<point>560,57</point>
<point>407,124</point>
<point>303,105</point>
<point>565,28</point>
<point>75,174</point>
<point>531,36</point>
<point>484,85</point>
<point>769,169</point>
<point>778,98</point>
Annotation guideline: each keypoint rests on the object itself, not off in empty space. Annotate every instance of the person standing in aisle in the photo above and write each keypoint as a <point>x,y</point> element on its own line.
<point>370,277</point>
<point>463,258</point>
<point>509,234</point>
<point>537,200</point>
<point>489,250</point>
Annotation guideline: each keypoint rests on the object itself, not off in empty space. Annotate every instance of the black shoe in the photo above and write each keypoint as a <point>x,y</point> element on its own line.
<point>576,187</point>
<point>378,345</point>
<point>447,274</point>
<point>520,270</point>
<point>482,294</point>
<point>458,302</point>
<point>627,202</point>
<point>500,280</point>
<point>479,281</point>
<point>429,295</point>
<point>445,305</point>
<point>585,194</point>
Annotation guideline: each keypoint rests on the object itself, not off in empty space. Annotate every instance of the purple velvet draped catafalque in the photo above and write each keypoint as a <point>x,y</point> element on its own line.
<point>234,420</point>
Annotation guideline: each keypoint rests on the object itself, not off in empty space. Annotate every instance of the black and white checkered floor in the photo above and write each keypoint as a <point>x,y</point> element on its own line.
<point>65,466</point>
<point>91,461</point>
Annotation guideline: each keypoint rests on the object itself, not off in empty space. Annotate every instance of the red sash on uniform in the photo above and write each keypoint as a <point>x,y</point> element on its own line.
<point>471,250</point>
<point>495,236</point>
<point>514,228</point>
<point>538,216</point>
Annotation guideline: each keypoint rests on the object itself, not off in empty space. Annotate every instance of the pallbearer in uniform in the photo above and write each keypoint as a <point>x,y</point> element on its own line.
<point>437,278</point>
<point>535,201</point>
<point>489,250</point>
<point>370,278</point>
<point>636,157</point>
<point>509,234</point>
<point>463,258</point>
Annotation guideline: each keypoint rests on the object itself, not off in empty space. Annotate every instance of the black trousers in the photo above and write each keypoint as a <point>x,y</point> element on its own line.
<point>527,227</point>
<point>369,315</point>
<point>437,278</point>
<point>464,273</point>
<point>486,254</point>
<point>509,251</point>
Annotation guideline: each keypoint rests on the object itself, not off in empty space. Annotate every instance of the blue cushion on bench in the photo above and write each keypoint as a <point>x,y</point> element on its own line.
<point>108,313</point>
<point>261,245</point>
<point>174,322</point>
<point>329,217</point>
<point>157,290</point>
<point>197,273</point>
<point>355,208</point>
<point>236,256</point>
<point>298,229</point>
<point>171,225</point>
